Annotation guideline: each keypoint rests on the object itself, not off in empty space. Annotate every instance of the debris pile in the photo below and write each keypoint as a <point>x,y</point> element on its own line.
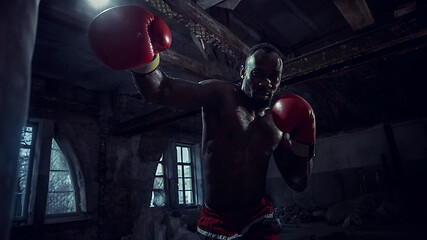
<point>357,213</point>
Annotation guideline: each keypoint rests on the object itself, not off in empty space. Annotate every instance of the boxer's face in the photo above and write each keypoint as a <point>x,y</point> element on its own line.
<point>261,76</point>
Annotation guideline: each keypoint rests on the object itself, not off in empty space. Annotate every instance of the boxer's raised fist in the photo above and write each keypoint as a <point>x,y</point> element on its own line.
<point>293,114</point>
<point>128,37</point>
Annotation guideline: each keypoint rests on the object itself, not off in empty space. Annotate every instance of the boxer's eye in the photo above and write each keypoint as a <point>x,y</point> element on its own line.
<point>258,74</point>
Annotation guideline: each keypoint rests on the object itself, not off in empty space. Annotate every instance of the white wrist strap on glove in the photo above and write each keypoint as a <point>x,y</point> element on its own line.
<point>303,150</point>
<point>148,68</point>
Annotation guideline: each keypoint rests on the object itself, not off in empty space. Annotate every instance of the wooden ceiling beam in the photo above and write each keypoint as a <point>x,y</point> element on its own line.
<point>206,27</point>
<point>394,39</point>
<point>356,12</point>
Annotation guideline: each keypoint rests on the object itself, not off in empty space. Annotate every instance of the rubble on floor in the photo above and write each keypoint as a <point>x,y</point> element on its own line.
<point>159,224</point>
<point>372,216</point>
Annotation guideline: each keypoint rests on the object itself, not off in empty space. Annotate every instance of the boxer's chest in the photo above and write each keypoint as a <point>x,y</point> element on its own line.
<point>253,130</point>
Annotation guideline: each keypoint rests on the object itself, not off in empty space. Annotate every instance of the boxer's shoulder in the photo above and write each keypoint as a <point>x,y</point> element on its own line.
<point>217,82</point>
<point>220,87</point>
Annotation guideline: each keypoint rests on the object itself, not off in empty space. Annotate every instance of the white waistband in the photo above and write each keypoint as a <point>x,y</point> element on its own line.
<point>237,235</point>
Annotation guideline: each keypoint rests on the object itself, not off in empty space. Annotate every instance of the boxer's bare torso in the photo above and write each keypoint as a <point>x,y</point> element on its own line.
<point>237,144</point>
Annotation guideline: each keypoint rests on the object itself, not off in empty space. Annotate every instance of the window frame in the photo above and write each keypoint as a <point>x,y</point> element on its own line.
<point>70,156</point>
<point>196,171</point>
<point>29,183</point>
<point>35,213</point>
<point>192,170</point>
<point>163,162</point>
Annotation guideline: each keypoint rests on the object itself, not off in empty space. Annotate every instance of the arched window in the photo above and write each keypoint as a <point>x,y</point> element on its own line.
<point>61,196</point>
<point>158,195</point>
<point>65,196</point>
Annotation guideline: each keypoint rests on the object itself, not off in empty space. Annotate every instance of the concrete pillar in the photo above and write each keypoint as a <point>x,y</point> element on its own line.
<point>18,22</point>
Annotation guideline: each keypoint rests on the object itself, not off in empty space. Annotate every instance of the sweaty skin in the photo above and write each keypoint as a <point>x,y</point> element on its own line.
<point>239,134</point>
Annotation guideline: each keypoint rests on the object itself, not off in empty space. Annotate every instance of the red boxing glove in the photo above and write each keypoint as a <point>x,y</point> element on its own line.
<point>128,37</point>
<point>293,114</point>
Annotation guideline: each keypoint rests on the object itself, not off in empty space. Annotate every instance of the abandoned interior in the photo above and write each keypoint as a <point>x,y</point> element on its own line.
<point>97,161</point>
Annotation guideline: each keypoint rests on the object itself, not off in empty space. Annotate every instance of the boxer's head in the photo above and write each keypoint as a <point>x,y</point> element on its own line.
<point>261,73</point>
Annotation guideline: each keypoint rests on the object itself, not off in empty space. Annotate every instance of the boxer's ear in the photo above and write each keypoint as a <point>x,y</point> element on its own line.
<point>242,71</point>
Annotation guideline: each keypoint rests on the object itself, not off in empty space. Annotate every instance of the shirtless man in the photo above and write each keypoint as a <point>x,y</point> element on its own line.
<point>239,133</point>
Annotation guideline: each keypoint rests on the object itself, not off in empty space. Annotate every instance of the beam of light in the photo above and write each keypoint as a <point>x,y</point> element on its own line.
<point>98,4</point>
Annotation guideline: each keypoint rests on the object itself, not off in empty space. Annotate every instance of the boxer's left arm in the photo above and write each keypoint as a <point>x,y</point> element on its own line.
<point>293,156</point>
<point>295,171</point>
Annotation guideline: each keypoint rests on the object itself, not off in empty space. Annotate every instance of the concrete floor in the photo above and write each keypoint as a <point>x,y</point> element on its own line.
<point>322,231</point>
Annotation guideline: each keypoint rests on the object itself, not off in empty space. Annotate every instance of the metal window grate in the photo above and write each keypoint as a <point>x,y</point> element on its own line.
<point>185,175</point>
<point>158,194</point>
<point>25,163</point>
<point>61,196</point>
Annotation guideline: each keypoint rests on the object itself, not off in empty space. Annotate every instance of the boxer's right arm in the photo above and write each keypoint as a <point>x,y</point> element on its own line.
<point>159,88</point>
<point>131,38</point>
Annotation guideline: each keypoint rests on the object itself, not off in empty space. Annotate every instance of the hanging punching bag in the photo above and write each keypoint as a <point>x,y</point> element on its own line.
<point>18,21</point>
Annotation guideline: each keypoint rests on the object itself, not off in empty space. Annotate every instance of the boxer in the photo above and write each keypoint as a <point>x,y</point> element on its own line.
<point>240,129</point>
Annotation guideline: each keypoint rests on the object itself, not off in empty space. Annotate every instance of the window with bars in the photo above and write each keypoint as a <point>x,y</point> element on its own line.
<point>63,194</point>
<point>187,178</point>
<point>25,163</point>
<point>158,195</point>
<point>185,175</point>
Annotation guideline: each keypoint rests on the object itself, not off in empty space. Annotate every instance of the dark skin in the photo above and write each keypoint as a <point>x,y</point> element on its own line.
<point>239,134</point>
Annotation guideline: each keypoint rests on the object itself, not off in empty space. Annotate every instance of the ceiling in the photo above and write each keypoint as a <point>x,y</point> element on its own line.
<point>359,63</point>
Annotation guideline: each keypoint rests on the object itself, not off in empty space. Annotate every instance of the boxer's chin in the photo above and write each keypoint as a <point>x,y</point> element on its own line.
<point>261,102</point>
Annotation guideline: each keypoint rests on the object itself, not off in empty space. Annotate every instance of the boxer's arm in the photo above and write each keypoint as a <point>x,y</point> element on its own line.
<point>159,88</point>
<point>131,38</point>
<point>295,117</point>
<point>295,171</point>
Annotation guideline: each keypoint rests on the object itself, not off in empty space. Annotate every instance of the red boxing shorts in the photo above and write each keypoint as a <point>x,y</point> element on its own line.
<point>253,223</point>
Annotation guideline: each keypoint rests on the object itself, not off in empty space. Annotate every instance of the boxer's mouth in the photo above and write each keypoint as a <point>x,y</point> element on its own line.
<point>263,93</point>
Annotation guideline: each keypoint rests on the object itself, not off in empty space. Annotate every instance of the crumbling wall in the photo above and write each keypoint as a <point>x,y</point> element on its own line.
<point>350,165</point>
